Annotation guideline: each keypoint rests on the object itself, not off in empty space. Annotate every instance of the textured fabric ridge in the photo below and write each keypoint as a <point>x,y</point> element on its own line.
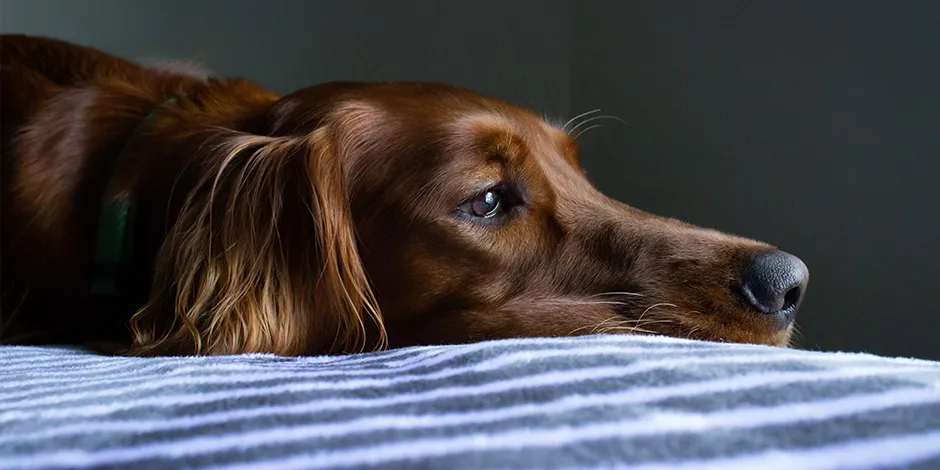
<point>588,402</point>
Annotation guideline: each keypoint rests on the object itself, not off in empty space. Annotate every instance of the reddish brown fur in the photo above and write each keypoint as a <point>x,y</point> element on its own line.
<point>326,221</point>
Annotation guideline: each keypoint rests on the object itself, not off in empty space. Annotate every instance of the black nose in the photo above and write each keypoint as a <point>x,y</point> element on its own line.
<point>774,282</point>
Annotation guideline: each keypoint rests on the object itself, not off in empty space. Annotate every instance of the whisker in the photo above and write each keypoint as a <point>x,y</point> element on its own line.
<point>628,329</point>
<point>565,127</point>
<point>603,302</point>
<point>653,322</point>
<point>638,325</point>
<point>649,322</point>
<point>661,304</point>
<point>582,302</point>
<point>596,327</point>
<point>796,337</point>
<point>593,327</point>
<point>654,306</point>
<point>616,293</point>
<point>595,126</point>
<point>595,118</point>
<point>17,309</point>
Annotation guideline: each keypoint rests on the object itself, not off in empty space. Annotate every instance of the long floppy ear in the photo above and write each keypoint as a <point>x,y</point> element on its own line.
<point>263,258</point>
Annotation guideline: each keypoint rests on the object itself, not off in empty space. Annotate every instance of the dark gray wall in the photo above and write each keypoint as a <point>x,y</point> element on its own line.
<point>517,50</point>
<point>812,125</point>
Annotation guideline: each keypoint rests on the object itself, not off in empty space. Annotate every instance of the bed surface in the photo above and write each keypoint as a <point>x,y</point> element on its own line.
<point>589,402</point>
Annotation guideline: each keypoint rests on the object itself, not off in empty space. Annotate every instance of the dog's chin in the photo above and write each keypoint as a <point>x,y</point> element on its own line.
<point>771,331</point>
<point>727,325</point>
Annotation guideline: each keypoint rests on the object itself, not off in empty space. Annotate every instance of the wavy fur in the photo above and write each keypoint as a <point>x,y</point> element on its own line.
<point>234,273</point>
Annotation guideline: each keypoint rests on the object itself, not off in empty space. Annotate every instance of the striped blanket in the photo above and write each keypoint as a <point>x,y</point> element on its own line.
<point>591,402</point>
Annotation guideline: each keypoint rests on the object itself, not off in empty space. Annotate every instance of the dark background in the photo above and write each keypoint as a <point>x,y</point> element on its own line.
<point>812,125</point>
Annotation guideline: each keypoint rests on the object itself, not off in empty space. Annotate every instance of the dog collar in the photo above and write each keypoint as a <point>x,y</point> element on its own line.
<point>114,246</point>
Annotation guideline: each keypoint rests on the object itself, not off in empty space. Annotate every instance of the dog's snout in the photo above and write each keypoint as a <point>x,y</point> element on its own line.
<point>774,282</point>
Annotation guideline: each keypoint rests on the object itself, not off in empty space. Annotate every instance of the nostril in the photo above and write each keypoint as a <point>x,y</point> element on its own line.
<point>792,298</point>
<point>774,282</point>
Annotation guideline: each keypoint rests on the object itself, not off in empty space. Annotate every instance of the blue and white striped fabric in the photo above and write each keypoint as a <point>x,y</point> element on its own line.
<point>589,402</point>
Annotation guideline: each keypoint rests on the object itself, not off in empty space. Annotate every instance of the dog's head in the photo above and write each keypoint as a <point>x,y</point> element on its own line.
<point>429,214</point>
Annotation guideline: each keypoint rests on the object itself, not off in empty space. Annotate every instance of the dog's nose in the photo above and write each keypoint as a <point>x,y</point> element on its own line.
<point>774,282</point>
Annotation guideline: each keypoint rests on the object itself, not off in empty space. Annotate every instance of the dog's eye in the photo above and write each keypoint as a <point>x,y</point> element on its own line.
<point>492,204</point>
<point>487,204</point>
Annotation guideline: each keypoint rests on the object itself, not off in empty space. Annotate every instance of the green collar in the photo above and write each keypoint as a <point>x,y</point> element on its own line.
<point>115,243</point>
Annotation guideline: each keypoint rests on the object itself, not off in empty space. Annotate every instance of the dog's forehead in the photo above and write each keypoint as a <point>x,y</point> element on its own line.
<point>526,140</point>
<point>519,133</point>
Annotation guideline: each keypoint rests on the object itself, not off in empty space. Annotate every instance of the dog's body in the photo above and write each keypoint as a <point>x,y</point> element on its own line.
<point>333,219</point>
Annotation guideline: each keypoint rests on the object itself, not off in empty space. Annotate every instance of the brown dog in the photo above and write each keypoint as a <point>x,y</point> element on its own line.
<point>341,217</point>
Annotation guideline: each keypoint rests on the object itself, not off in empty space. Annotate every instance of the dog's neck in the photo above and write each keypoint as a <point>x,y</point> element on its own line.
<point>113,259</point>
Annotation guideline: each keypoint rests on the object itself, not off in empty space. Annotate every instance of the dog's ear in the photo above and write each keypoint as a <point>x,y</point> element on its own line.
<point>263,257</point>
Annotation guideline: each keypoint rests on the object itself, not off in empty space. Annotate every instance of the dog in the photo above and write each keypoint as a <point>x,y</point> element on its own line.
<point>166,214</point>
